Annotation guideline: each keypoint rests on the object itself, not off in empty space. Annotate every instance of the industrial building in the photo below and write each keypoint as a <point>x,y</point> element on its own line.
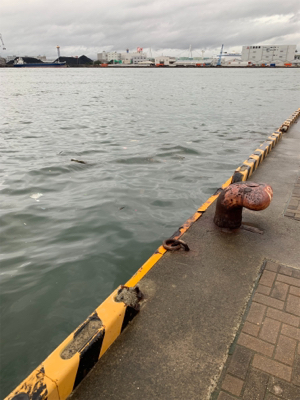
<point>106,57</point>
<point>124,58</point>
<point>164,60</point>
<point>278,54</point>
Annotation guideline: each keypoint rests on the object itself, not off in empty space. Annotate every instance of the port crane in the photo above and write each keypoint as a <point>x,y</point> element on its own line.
<point>3,46</point>
<point>220,56</point>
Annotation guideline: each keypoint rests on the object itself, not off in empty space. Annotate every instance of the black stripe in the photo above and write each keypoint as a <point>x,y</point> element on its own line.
<point>89,356</point>
<point>237,177</point>
<point>130,313</point>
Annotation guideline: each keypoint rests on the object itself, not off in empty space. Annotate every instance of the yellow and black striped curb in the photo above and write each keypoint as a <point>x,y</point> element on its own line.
<point>71,361</point>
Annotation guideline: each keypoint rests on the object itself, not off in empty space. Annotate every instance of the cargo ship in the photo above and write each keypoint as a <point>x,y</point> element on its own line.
<point>19,62</point>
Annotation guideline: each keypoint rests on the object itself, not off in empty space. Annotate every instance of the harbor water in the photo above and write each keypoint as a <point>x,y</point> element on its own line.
<point>155,143</point>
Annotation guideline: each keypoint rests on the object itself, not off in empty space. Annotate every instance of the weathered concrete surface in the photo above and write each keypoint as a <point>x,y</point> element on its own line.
<point>176,347</point>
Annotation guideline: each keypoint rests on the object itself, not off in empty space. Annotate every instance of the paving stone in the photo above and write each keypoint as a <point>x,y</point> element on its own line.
<point>256,344</point>
<point>267,278</point>
<point>292,208</point>
<point>296,372</point>
<point>240,362</point>
<point>251,329</point>
<point>280,291</point>
<point>296,273</point>
<point>293,304</point>
<point>290,331</point>
<point>289,214</point>
<point>283,317</point>
<point>270,338</point>
<point>268,301</point>
<point>269,331</point>
<point>293,202</point>
<point>295,291</point>
<point>263,289</point>
<point>285,270</point>
<point>285,350</point>
<point>225,396</point>
<point>271,397</point>
<point>256,313</point>
<point>289,280</point>
<point>256,385</point>
<point>272,266</point>
<point>283,389</point>
<point>232,384</point>
<point>272,367</point>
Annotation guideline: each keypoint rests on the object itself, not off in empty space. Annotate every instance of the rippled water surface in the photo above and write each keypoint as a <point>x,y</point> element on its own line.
<point>156,144</point>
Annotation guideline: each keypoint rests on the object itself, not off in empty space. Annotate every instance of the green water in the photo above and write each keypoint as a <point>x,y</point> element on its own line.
<point>156,142</point>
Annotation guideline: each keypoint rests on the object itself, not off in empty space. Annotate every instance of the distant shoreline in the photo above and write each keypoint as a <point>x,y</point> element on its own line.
<point>168,66</point>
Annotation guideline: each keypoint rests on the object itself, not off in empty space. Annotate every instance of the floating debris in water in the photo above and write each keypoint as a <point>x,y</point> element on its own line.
<point>36,196</point>
<point>79,161</point>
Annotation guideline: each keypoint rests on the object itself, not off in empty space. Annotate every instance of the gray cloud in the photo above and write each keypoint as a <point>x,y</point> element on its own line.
<point>37,26</point>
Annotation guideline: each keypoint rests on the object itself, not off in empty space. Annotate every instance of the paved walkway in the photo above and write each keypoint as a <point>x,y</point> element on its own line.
<point>191,318</point>
<point>264,361</point>
<point>293,208</point>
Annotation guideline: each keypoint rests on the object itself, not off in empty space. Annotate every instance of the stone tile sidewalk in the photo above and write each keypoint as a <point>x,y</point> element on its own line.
<point>293,208</point>
<point>265,361</point>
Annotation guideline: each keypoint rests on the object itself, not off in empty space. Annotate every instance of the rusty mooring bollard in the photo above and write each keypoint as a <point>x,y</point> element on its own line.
<point>230,203</point>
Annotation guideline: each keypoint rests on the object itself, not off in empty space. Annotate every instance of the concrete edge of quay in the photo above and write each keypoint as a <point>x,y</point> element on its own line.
<point>61,372</point>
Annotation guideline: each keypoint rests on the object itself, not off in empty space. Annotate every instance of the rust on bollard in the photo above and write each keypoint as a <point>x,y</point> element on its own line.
<point>230,203</point>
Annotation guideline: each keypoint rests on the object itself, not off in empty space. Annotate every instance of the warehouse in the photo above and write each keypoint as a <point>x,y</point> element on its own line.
<point>278,54</point>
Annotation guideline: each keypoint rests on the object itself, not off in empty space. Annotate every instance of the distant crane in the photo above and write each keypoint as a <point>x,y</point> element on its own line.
<point>220,56</point>
<point>3,46</point>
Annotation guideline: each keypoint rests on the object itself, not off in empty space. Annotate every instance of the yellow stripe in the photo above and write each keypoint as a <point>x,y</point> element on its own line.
<point>37,383</point>
<point>146,267</point>
<point>257,160</point>
<point>111,314</point>
<point>208,202</point>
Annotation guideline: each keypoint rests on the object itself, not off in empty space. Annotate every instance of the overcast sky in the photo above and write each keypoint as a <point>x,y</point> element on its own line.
<point>169,27</point>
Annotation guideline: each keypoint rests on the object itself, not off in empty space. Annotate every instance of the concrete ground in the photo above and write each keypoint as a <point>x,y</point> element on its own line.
<point>197,305</point>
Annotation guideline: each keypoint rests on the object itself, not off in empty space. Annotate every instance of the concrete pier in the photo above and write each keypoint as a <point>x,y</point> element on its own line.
<point>219,322</point>
<point>209,313</point>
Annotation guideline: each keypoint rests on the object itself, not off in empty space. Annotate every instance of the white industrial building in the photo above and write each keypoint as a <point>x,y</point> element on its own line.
<point>125,58</point>
<point>106,57</point>
<point>133,58</point>
<point>164,60</point>
<point>138,57</point>
<point>278,54</point>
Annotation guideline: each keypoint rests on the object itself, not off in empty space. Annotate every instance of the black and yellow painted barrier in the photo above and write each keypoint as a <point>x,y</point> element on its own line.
<point>71,361</point>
